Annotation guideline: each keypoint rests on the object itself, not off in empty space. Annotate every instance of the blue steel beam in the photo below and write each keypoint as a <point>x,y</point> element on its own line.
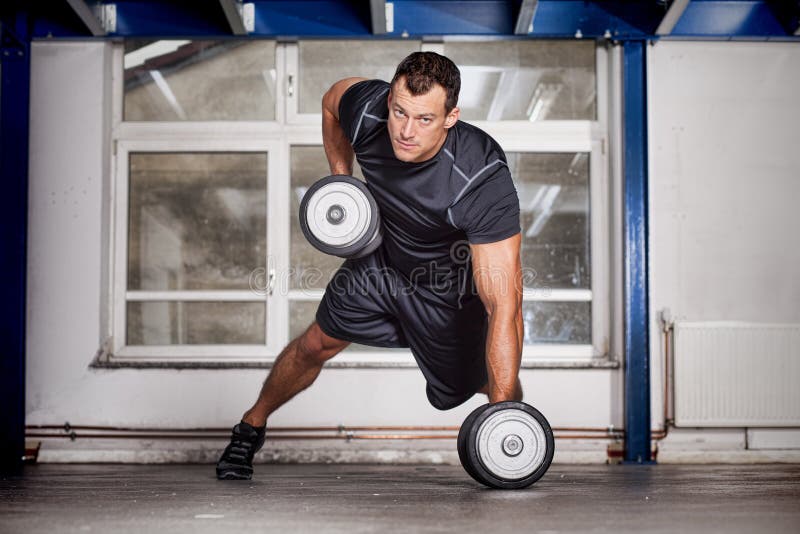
<point>622,20</point>
<point>314,18</point>
<point>721,18</point>
<point>432,17</point>
<point>14,100</point>
<point>637,352</point>
<point>616,19</point>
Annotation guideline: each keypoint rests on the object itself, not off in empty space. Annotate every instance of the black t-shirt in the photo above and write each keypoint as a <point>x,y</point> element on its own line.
<point>430,210</point>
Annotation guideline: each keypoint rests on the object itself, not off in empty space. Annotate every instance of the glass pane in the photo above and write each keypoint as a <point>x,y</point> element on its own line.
<point>301,315</point>
<point>557,322</point>
<point>526,80</point>
<point>196,221</point>
<point>199,80</point>
<point>554,211</point>
<point>324,62</point>
<point>196,323</point>
<point>310,268</point>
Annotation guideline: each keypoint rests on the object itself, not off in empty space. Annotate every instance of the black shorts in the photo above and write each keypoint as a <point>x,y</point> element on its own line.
<point>367,302</point>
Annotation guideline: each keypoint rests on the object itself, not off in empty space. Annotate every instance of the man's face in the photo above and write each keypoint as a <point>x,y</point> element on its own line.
<point>418,124</point>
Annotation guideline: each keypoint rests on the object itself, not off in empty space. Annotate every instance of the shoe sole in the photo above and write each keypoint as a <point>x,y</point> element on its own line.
<point>233,475</point>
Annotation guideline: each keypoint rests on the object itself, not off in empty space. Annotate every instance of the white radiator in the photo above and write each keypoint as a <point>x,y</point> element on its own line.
<point>736,374</point>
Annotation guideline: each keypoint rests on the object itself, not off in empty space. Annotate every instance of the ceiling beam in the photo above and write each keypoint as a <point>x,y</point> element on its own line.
<point>377,15</point>
<point>524,23</point>
<point>233,12</point>
<point>88,17</point>
<point>672,17</point>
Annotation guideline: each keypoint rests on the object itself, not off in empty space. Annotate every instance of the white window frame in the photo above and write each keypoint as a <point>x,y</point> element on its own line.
<point>122,295</point>
<point>276,139</point>
<point>570,137</point>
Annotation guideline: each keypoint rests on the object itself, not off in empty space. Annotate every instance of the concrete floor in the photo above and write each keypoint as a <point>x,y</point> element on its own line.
<point>372,498</point>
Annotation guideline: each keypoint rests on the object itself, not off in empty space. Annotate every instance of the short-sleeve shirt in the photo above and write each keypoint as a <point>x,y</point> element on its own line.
<point>432,209</point>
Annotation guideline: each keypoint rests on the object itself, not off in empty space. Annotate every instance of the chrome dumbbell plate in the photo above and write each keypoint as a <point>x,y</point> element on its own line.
<point>339,216</point>
<point>506,445</point>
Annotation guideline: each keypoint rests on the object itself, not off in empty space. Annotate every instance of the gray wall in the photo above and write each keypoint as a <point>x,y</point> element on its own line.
<point>724,185</point>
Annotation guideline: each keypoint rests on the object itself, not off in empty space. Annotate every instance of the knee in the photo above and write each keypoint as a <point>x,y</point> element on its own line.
<point>314,347</point>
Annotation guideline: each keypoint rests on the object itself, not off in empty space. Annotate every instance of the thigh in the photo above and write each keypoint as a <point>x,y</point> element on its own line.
<point>358,305</point>
<point>449,346</point>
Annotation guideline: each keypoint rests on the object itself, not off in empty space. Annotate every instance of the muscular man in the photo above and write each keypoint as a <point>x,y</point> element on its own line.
<point>445,282</point>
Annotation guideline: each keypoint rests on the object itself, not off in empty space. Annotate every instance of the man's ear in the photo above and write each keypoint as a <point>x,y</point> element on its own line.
<point>452,118</point>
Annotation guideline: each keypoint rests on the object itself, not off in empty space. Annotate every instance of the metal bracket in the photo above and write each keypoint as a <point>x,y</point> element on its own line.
<point>672,16</point>
<point>249,16</point>
<point>527,12</point>
<point>241,17</point>
<point>107,15</point>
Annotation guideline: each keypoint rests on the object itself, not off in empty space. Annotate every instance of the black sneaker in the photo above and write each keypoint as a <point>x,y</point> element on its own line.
<point>236,462</point>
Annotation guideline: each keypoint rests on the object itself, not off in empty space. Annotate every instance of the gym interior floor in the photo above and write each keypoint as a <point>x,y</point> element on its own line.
<point>380,498</point>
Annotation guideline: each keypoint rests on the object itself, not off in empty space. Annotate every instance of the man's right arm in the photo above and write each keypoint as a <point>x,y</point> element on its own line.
<point>338,149</point>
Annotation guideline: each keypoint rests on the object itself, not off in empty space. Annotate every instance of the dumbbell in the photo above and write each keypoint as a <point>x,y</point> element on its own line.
<point>506,445</point>
<point>339,216</point>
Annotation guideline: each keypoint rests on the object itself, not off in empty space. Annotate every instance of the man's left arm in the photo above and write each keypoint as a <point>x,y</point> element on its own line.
<point>497,271</point>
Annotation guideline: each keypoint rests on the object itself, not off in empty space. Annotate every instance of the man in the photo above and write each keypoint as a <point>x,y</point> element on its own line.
<point>439,183</point>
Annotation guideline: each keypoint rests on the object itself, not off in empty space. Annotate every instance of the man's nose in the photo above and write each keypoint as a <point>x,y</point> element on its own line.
<point>407,131</point>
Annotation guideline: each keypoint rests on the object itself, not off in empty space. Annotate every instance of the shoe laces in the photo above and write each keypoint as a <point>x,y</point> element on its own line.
<point>241,444</point>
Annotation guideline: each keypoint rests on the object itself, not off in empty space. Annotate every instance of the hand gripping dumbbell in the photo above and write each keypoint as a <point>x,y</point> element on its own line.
<point>339,216</point>
<point>506,445</point>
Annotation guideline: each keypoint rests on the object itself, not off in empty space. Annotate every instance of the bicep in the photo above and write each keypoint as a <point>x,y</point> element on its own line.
<point>497,271</point>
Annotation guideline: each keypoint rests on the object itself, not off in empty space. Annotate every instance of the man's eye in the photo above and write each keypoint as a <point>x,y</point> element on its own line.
<point>425,120</point>
<point>398,113</point>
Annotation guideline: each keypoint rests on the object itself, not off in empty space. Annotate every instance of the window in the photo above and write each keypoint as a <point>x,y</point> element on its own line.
<point>199,80</point>
<point>196,225</point>
<point>215,143</point>
<point>525,80</point>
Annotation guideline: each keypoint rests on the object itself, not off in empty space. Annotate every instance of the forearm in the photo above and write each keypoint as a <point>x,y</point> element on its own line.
<point>504,354</point>
<point>337,147</point>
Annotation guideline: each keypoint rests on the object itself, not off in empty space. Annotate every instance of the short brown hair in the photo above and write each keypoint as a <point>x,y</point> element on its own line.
<point>422,69</point>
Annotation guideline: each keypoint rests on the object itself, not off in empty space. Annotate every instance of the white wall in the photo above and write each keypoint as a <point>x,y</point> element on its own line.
<point>724,167</point>
<point>67,273</point>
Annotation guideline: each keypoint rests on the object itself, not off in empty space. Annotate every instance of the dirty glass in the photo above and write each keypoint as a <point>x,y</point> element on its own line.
<point>557,322</point>
<point>553,194</point>
<point>526,80</point>
<point>170,80</point>
<point>197,221</point>
<point>196,323</point>
<point>324,62</point>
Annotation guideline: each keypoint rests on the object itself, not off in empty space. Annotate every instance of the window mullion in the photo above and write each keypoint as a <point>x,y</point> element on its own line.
<point>599,244</point>
<point>278,246</point>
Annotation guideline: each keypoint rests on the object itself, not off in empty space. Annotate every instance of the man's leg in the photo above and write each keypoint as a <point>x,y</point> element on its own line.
<point>294,370</point>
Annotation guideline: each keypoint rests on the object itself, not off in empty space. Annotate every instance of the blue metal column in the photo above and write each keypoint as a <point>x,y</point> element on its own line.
<point>637,353</point>
<point>14,101</point>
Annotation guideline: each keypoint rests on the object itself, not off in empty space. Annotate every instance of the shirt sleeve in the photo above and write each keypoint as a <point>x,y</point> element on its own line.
<point>362,109</point>
<point>489,211</point>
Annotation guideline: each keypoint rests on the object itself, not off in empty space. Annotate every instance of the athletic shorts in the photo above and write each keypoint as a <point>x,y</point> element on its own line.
<point>367,302</point>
